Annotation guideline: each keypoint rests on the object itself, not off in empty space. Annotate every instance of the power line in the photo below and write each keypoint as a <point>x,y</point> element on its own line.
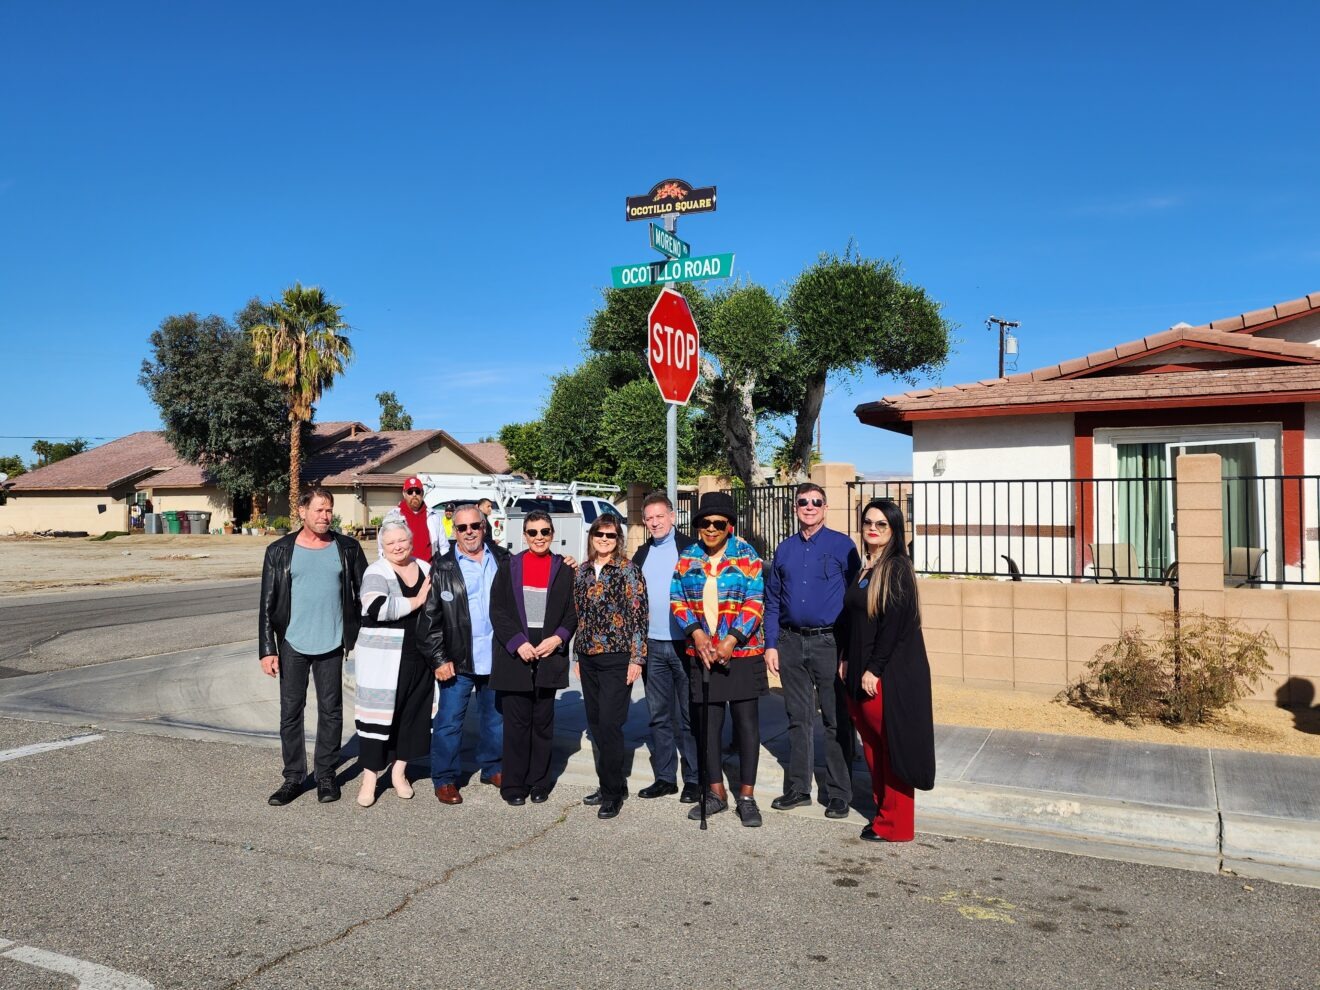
<point>50,437</point>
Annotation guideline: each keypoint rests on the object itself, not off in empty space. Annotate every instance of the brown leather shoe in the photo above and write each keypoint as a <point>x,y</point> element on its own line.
<point>495,780</point>
<point>448,794</point>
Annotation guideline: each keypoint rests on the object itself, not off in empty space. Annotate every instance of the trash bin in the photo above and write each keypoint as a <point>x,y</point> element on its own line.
<point>204,520</point>
<point>172,524</point>
<point>185,524</point>
<point>151,523</point>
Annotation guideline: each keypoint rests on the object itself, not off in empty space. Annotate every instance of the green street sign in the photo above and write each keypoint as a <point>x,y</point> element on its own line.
<point>667,243</point>
<point>676,270</point>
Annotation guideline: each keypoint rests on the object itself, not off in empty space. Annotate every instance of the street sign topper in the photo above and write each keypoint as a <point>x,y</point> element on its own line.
<point>677,270</point>
<point>671,196</point>
<point>667,243</point>
<point>673,347</point>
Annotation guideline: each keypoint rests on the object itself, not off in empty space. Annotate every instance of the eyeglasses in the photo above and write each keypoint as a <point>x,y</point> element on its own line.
<point>464,527</point>
<point>607,536</point>
<point>719,525</point>
<point>543,531</point>
<point>874,524</point>
<point>816,502</point>
<point>412,491</point>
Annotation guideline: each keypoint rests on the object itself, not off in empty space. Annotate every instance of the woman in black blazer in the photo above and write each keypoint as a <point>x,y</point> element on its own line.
<point>531,611</point>
<point>886,675</point>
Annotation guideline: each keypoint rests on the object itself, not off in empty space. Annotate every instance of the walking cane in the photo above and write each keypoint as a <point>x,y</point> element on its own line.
<point>703,771</point>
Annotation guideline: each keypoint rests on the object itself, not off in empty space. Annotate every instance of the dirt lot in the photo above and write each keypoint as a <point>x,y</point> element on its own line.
<point>37,565</point>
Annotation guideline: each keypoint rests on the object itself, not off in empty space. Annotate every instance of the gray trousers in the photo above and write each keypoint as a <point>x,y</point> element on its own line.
<point>809,670</point>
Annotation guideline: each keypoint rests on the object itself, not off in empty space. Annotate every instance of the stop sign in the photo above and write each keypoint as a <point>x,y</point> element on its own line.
<point>672,347</point>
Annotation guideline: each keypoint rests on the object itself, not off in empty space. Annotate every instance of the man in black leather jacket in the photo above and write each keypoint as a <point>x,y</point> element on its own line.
<point>307,619</point>
<point>462,661</point>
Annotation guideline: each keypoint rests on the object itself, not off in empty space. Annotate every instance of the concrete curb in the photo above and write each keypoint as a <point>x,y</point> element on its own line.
<point>1280,849</point>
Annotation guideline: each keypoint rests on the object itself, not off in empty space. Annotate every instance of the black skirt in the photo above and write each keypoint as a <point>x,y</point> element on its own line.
<point>738,680</point>
<point>410,729</point>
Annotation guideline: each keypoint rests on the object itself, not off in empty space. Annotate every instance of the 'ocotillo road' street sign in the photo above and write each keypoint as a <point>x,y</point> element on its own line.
<point>677,270</point>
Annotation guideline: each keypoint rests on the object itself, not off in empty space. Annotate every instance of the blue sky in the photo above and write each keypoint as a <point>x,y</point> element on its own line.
<point>455,178</point>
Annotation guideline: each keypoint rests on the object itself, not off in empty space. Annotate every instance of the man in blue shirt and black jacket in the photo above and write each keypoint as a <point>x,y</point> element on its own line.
<point>804,590</point>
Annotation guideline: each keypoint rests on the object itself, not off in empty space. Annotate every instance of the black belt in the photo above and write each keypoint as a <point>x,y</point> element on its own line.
<point>810,630</point>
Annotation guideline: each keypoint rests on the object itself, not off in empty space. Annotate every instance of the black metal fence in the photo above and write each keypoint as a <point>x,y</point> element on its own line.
<point>684,509</point>
<point>1270,530</point>
<point>1099,529</point>
<point>765,515</point>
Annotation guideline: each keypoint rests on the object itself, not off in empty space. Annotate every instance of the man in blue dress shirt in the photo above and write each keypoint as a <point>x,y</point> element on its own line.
<point>803,599</point>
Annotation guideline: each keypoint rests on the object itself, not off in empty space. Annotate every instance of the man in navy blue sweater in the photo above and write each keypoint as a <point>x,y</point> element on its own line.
<point>803,599</point>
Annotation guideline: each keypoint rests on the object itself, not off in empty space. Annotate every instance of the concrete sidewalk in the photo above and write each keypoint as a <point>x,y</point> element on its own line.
<point>1204,809</point>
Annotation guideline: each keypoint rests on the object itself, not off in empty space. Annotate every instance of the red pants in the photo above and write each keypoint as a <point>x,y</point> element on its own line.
<point>893,796</point>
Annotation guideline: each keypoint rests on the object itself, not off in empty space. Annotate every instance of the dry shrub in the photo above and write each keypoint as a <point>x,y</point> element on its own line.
<point>1195,668</point>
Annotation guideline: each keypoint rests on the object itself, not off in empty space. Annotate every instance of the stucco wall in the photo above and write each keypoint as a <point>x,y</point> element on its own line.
<point>993,447</point>
<point>193,500</point>
<point>37,512</point>
<point>1303,331</point>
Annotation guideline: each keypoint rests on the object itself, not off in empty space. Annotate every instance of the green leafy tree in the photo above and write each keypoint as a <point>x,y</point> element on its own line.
<point>302,348</point>
<point>392,414</point>
<point>633,429</point>
<point>848,313</point>
<point>523,442</point>
<point>12,465</point>
<point>50,451</point>
<point>217,409</point>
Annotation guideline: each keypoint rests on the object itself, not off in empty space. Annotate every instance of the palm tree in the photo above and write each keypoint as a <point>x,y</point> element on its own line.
<point>301,347</point>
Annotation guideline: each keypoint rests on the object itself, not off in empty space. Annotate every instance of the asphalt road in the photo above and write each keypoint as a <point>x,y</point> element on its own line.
<point>160,858</point>
<point>53,632</point>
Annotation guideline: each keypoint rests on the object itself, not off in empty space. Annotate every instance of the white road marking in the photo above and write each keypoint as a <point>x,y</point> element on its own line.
<point>90,976</point>
<point>46,747</point>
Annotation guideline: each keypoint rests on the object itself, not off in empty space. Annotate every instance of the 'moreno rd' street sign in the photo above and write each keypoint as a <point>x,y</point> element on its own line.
<point>666,243</point>
<point>677,270</point>
<point>673,346</point>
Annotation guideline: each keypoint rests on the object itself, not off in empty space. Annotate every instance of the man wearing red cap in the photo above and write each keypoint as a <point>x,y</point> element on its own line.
<point>426,525</point>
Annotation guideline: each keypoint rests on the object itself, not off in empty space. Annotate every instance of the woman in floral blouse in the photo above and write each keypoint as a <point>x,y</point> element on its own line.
<point>613,613</point>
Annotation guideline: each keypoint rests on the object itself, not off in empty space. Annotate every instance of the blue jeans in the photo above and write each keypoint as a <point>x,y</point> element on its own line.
<point>447,729</point>
<point>666,679</point>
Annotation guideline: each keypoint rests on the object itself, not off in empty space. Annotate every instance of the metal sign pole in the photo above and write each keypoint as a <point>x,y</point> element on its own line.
<point>671,414</point>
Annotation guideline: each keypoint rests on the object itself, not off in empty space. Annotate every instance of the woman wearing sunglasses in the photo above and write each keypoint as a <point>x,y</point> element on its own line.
<point>886,674</point>
<point>613,615</point>
<point>531,611</point>
<point>717,599</point>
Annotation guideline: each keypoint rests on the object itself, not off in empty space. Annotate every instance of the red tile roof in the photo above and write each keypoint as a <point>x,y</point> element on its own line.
<point>350,459</point>
<point>1231,336</point>
<point>1230,386</point>
<point>493,454</point>
<point>111,465</point>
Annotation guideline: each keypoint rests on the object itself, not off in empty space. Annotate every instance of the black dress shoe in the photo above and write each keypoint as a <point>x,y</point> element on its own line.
<point>540,795</point>
<point>593,799</point>
<point>790,800</point>
<point>288,792</point>
<point>661,788</point>
<point>610,808</point>
<point>868,835</point>
<point>690,794</point>
<point>327,790</point>
<point>515,800</point>
<point>837,808</point>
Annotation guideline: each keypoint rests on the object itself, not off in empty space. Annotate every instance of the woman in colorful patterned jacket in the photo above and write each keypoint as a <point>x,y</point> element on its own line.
<point>717,599</point>
<point>613,613</point>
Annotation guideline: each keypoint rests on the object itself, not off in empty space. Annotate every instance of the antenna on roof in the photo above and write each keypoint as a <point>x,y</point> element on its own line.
<point>1004,339</point>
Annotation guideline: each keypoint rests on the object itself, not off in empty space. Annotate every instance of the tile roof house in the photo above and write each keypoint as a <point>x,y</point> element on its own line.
<point>95,490</point>
<point>1246,387</point>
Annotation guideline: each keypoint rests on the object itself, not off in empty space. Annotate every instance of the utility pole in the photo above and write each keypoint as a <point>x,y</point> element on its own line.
<point>1003,325</point>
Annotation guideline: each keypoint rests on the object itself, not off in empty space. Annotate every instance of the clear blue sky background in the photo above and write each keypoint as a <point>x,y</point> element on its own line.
<point>455,177</point>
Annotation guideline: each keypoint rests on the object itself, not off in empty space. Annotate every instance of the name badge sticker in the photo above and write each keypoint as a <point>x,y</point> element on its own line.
<point>446,595</point>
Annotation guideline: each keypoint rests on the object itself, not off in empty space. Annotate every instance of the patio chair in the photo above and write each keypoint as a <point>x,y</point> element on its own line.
<point>1170,577</point>
<point>1118,560</point>
<point>1243,567</point>
<point>1014,571</point>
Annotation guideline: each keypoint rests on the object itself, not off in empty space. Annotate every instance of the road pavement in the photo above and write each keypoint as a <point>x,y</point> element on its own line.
<point>55,632</point>
<point>157,856</point>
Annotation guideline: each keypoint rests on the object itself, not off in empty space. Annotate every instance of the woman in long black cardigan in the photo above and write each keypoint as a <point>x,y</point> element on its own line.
<point>532,614</point>
<point>886,675</point>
